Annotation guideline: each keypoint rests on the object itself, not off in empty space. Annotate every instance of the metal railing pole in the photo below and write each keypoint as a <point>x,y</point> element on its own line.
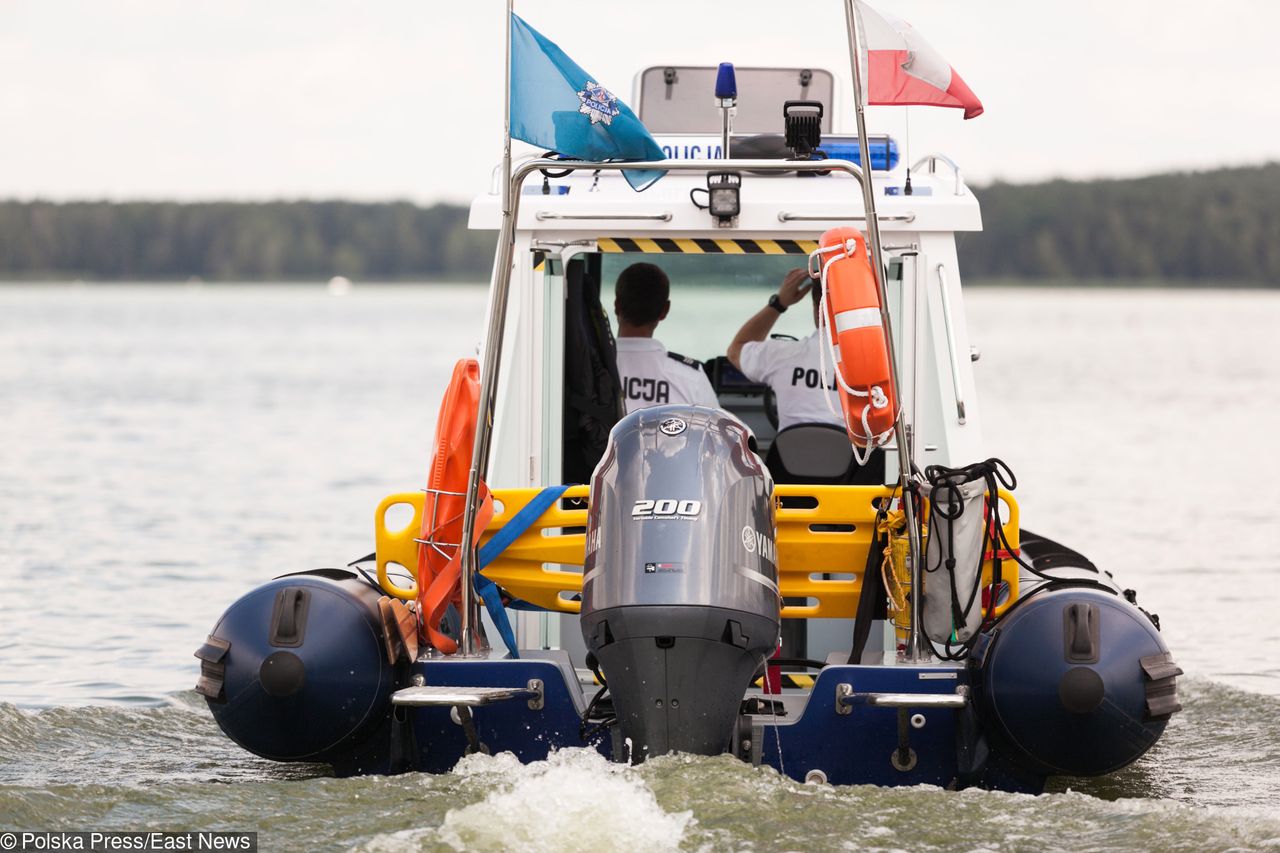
<point>877,266</point>
<point>470,616</point>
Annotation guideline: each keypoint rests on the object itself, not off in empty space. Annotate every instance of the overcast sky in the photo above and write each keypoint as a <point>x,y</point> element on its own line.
<point>285,99</point>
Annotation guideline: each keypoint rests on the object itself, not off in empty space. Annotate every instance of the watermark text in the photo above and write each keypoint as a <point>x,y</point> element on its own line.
<point>115,841</point>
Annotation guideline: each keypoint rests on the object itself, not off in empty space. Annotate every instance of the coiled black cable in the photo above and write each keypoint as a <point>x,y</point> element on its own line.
<point>947,503</point>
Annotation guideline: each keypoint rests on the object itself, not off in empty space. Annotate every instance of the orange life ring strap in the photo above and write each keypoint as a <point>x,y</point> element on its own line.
<point>439,552</point>
<point>446,587</point>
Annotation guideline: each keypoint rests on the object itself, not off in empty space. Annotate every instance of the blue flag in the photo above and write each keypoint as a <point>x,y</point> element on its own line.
<point>558,106</point>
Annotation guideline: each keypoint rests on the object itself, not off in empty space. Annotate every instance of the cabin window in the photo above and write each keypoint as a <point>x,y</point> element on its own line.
<point>712,295</point>
<point>678,99</point>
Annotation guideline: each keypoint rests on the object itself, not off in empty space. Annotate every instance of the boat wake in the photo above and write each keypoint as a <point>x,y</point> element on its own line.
<point>1209,784</point>
<point>576,800</point>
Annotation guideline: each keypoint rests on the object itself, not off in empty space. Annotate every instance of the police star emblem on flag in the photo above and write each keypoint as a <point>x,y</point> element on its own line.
<point>598,103</point>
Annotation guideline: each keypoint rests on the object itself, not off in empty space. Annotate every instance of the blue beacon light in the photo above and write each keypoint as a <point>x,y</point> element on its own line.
<point>726,83</point>
<point>727,101</point>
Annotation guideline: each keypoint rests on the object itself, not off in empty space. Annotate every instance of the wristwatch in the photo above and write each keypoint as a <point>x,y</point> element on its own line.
<point>776,304</point>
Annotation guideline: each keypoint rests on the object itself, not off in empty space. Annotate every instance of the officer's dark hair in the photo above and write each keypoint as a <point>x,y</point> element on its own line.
<point>642,291</point>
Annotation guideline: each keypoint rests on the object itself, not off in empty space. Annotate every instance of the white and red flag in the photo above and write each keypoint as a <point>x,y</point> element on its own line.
<point>900,67</point>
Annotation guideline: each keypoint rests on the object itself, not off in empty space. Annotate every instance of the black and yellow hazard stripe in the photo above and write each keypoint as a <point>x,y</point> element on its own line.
<point>791,679</point>
<point>667,245</point>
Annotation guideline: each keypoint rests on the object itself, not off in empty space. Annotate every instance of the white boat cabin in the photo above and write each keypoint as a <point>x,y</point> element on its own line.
<point>576,232</point>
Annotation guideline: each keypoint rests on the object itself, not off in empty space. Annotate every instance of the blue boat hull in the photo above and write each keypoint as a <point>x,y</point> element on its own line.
<point>1074,681</point>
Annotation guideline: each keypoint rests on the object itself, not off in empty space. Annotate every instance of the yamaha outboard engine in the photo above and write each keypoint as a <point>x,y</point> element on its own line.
<point>680,598</point>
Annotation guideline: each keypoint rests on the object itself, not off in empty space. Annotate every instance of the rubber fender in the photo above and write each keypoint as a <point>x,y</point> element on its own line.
<point>298,669</point>
<point>1074,681</point>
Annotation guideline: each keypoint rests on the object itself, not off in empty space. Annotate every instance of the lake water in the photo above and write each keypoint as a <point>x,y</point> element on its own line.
<point>164,449</point>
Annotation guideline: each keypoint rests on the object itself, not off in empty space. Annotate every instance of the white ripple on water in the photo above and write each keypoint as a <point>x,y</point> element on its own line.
<point>1208,786</point>
<point>576,800</point>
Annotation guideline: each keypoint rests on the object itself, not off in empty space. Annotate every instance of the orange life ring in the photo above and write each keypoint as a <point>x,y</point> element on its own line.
<point>857,336</point>
<point>439,551</point>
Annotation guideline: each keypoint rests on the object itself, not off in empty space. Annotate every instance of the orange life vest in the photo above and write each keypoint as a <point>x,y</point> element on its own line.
<point>857,337</point>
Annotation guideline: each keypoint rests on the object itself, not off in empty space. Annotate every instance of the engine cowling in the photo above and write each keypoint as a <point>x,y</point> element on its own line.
<point>680,598</point>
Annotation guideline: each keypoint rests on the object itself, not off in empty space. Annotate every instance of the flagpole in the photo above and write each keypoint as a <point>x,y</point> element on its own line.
<point>506,116</point>
<point>470,615</point>
<point>900,427</point>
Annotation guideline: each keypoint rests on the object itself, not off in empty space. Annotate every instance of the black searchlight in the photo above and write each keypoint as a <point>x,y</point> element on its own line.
<point>802,125</point>
<point>724,197</point>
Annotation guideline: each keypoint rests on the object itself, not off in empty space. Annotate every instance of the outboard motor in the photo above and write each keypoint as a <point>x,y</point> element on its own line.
<point>296,671</point>
<point>1074,681</point>
<point>680,599</point>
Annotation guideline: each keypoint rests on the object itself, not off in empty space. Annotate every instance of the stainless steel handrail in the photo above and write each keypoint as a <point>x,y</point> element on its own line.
<point>442,696</point>
<point>933,160</point>
<point>846,699</point>
<point>952,353</point>
<point>665,216</point>
<point>498,298</point>
<point>917,700</point>
<point>785,216</point>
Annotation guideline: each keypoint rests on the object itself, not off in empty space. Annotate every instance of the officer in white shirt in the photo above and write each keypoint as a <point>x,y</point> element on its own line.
<point>650,375</point>
<point>790,368</point>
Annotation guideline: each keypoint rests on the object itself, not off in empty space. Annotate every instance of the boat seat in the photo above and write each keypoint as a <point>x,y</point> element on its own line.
<point>821,454</point>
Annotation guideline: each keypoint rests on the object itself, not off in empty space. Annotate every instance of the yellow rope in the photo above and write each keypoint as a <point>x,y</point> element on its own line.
<point>893,567</point>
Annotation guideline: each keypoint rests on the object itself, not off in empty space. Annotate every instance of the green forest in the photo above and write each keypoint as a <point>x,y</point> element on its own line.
<point>1215,227</point>
<point>240,241</point>
<point>1221,226</point>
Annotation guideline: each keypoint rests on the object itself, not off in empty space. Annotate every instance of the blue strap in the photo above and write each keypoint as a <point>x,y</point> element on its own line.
<point>519,523</point>
<point>493,603</point>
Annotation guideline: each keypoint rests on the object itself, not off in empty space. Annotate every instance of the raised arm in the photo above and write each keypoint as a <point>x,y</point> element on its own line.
<point>794,287</point>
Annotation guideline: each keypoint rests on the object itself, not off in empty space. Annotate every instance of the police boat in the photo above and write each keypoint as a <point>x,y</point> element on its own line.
<point>847,602</point>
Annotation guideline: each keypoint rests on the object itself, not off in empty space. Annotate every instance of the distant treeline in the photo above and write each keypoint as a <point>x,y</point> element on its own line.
<point>1219,226</point>
<point>240,241</point>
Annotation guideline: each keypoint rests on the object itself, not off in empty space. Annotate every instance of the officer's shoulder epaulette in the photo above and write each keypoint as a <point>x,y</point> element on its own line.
<point>685,360</point>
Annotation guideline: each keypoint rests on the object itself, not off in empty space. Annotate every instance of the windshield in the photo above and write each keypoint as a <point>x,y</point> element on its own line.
<point>711,297</point>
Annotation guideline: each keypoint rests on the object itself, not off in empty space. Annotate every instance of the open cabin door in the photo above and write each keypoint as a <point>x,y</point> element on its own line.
<point>592,401</point>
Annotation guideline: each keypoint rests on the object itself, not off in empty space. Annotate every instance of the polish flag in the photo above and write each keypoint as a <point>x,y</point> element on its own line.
<point>900,67</point>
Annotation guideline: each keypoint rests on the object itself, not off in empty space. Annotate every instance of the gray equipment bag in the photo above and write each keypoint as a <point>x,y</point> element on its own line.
<point>951,604</point>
